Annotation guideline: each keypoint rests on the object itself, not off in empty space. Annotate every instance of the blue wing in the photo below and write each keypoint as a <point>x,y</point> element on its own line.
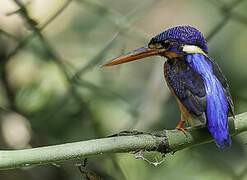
<point>217,99</point>
<point>218,73</point>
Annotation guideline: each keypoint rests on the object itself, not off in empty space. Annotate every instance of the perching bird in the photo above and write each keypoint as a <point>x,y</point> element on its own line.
<point>195,80</point>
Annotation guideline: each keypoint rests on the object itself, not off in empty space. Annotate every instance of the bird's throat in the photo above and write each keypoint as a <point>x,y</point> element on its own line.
<point>172,55</point>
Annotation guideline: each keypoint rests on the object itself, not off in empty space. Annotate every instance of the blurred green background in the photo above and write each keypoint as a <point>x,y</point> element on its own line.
<point>53,90</point>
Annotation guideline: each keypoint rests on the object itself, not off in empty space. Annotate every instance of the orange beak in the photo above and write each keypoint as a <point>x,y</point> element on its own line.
<point>135,55</point>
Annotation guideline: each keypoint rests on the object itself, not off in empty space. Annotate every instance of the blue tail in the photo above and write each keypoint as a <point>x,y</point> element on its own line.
<point>217,106</point>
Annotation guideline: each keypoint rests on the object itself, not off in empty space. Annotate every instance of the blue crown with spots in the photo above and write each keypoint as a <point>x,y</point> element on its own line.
<point>183,35</point>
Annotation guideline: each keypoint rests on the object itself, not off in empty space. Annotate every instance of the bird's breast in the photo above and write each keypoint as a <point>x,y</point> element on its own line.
<point>187,87</point>
<point>172,86</point>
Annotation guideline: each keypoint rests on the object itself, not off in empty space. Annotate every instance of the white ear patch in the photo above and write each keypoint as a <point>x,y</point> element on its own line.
<point>191,49</point>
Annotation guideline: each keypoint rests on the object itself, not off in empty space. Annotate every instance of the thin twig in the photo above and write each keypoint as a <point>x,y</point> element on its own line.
<point>123,23</point>
<point>139,155</point>
<point>98,58</point>
<point>61,7</point>
<point>226,11</point>
<point>8,35</point>
<point>24,42</point>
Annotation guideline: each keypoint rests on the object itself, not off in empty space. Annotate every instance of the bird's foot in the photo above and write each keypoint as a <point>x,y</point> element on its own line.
<point>181,129</point>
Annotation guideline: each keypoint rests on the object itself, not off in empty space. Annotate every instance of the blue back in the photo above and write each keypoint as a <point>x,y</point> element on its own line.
<point>217,105</point>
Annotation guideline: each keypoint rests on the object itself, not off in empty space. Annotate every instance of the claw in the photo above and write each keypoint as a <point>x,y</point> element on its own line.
<point>182,129</point>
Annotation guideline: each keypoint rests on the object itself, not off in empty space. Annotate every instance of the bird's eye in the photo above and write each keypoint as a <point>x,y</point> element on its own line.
<point>165,44</point>
<point>160,45</point>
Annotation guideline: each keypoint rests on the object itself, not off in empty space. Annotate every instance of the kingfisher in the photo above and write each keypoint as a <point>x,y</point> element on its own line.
<point>194,79</point>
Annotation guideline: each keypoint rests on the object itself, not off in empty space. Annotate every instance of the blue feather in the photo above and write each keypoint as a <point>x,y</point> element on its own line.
<point>217,106</point>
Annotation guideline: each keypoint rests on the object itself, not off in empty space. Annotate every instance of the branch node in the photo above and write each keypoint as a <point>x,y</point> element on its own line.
<point>128,133</point>
<point>162,147</point>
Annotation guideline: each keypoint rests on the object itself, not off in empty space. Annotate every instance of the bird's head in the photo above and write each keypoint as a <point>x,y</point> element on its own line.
<point>172,43</point>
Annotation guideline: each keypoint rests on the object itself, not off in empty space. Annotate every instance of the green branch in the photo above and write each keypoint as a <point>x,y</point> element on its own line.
<point>166,141</point>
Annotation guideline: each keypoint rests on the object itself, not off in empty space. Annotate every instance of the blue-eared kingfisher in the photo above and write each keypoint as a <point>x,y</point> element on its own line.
<point>196,81</point>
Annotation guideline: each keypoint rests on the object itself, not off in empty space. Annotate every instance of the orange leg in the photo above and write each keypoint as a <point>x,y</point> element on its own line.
<point>180,125</point>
